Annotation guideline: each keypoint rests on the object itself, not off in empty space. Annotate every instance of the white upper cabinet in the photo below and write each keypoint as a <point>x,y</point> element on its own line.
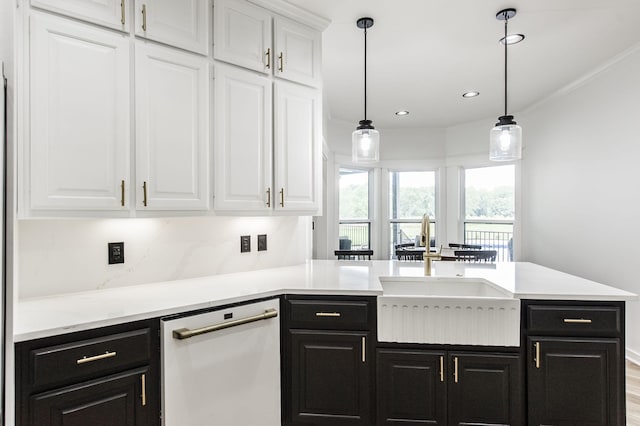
<point>172,129</point>
<point>79,134</point>
<point>179,23</point>
<point>243,141</point>
<point>297,148</point>
<point>298,54</point>
<point>110,13</point>
<point>242,35</point>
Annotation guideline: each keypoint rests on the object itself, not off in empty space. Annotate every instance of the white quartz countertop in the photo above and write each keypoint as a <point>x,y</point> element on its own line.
<point>48,316</point>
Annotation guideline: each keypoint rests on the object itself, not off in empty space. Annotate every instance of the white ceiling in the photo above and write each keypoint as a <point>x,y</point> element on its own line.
<point>423,54</point>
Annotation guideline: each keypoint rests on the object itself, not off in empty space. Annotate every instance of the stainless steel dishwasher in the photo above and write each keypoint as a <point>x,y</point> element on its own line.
<point>222,367</point>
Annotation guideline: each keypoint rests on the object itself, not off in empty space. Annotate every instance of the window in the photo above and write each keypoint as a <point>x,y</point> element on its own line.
<point>353,206</point>
<point>411,195</point>
<point>489,204</point>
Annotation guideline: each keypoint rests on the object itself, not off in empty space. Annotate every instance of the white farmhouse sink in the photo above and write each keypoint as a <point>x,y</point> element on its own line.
<point>439,310</point>
<point>442,287</point>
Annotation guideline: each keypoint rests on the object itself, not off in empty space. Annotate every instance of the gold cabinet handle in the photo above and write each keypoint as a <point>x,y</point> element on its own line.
<point>268,55</point>
<point>144,17</point>
<point>281,67</point>
<point>328,314</point>
<point>122,12</point>
<point>577,321</point>
<point>364,349</point>
<point>144,193</point>
<point>537,346</point>
<point>455,369</point>
<point>122,193</point>
<point>281,197</point>
<point>86,359</point>
<point>143,383</point>
<point>268,197</point>
<point>442,368</point>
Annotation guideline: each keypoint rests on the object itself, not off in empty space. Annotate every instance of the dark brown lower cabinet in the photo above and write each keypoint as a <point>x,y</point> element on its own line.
<point>411,387</point>
<point>330,378</point>
<point>109,401</point>
<point>101,377</point>
<point>485,389</point>
<point>424,387</point>
<point>575,381</point>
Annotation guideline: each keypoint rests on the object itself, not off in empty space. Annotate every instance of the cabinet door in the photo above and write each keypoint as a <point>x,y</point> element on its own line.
<point>297,52</point>
<point>183,24</point>
<point>242,146</point>
<point>80,116</point>
<point>110,13</point>
<point>172,129</point>
<point>485,389</point>
<point>297,147</point>
<point>242,35</point>
<point>575,382</point>
<point>330,378</point>
<point>117,400</point>
<point>411,387</point>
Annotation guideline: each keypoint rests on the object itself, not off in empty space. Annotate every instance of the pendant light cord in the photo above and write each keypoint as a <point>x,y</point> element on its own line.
<point>365,72</point>
<point>506,21</point>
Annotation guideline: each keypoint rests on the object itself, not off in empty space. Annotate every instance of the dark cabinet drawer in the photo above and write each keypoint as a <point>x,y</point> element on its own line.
<point>574,320</point>
<point>87,358</point>
<point>330,314</point>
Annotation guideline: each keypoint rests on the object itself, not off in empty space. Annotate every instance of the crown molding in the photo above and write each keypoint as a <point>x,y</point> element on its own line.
<point>286,9</point>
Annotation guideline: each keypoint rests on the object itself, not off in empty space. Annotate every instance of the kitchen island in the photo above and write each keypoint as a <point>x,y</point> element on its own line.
<point>325,320</point>
<point>53,315</point>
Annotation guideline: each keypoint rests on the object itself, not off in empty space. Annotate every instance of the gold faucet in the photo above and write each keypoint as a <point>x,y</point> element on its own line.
<point>428,258</point>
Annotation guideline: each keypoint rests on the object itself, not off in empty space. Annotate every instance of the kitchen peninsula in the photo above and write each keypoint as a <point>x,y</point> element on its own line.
<point>320,319</point>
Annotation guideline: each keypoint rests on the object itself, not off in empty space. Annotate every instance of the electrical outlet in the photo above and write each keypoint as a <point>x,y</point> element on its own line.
<point>245,243</point>
<point>262,242</point>
<point>116,252</point>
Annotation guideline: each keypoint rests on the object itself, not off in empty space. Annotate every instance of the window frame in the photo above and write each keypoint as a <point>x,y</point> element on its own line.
<point>369,220</point>
<point>514,246</point>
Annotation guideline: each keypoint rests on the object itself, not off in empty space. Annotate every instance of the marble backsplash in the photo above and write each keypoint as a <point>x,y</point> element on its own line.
<point>70,255</point>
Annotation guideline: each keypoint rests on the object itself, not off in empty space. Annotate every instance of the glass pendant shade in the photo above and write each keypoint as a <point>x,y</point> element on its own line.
<point>505,140</point>
<point>365,144</point>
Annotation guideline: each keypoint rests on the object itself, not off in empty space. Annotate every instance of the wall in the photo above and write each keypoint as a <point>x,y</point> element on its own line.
<point>581,182</point>
<point>70,255</point>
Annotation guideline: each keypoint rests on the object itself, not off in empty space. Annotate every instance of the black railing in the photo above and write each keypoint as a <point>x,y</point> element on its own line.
<point>500,241</point>
<point>355,235</point>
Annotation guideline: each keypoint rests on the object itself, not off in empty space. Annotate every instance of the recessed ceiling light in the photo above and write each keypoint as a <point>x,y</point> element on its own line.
<point>512,38</point>
<point>471,94</point>
<point>401,113</point>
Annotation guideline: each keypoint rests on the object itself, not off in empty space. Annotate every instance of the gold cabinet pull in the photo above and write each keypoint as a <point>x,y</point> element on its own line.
<point>122,193</point>
<point>143,383</point>
<point>144,17</point>
<point>86,359</point>
<point>281,67</point>
<point>268,55</point>
<point>281,197</point>
<point>455,369</point>
<point>268,197</point>
<point>577,321</point>
<point>328,314</point>
<point>364,349</point>
<point>122,12</point>
<point>442,368</point>
<point>144,193</point>
<point>537,346</point>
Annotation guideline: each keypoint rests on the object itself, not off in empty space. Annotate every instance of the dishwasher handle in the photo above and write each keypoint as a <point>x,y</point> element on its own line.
<point>185,333</point>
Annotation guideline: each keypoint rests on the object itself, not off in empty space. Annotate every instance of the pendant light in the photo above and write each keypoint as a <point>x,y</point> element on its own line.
<point>506,137</point>
<point>365,140</point>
